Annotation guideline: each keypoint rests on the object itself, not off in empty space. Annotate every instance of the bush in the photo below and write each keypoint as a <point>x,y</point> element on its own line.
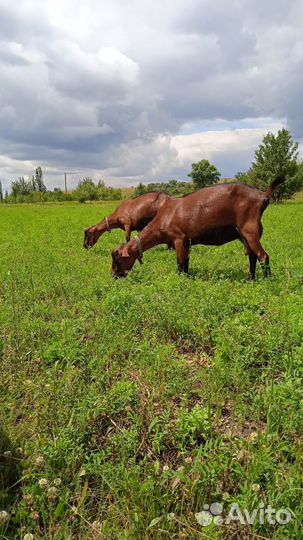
<point>86,191</point>
<point>173,187</point>
<point>106,193</point>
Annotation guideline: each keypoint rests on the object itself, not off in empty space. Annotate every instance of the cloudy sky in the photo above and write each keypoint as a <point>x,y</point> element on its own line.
<point>139,89</point>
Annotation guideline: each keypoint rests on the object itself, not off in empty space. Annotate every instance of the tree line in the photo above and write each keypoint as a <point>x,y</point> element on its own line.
<point>277,154</point>
<point>34,190</point>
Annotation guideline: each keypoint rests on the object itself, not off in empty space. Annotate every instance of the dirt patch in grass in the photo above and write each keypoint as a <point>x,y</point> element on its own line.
<point>229,427</point>
<point>196,359</point>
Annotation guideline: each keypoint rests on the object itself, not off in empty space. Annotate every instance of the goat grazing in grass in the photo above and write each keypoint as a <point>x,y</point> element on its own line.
<point>131,215</point>
<point>211,216</point>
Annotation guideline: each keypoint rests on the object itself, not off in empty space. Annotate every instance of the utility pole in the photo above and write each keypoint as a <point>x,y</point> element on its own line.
<point>65,178</point>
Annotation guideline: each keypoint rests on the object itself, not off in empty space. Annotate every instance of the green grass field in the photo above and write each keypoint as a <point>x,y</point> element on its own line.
<point>127,405</point>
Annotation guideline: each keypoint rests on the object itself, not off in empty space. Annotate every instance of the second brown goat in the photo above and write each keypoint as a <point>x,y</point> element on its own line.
<point>131,215</point>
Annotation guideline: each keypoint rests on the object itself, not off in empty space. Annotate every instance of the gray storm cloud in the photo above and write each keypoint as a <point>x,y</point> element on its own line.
<point>109,88</point>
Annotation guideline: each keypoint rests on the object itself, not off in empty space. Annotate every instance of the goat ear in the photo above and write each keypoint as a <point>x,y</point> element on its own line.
<point>124,252</point>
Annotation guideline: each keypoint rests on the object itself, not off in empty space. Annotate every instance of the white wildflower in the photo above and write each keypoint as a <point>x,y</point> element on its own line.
<point>52,491</point>
<point>43,483</point>
<point>57,482</point>
<point>39,460</point>
<point>253,436</point>
<point>4,516</point>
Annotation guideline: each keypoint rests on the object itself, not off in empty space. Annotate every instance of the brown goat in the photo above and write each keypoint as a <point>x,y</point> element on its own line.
<point>131,215</point>
<point>212,216</point>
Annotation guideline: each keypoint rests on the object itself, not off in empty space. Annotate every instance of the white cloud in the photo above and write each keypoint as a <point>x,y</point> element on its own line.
<point>172,156</point>
<point>142,89</point>
<point>212,144</point>
<point>108,74</point>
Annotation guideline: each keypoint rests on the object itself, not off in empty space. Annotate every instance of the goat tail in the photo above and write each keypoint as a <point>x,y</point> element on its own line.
<point>277,181</point>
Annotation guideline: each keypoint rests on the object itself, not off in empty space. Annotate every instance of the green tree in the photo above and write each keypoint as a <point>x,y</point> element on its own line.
<point>204,174</point>
<point>38,184</point>
<point>1,192</point>
<point>107,193</point>
<point>295,183</point>
<point>86,190</point>
<point>140,190</point>
<point>241,176</point>
<point>21,187</point>
<point>277,154</point>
